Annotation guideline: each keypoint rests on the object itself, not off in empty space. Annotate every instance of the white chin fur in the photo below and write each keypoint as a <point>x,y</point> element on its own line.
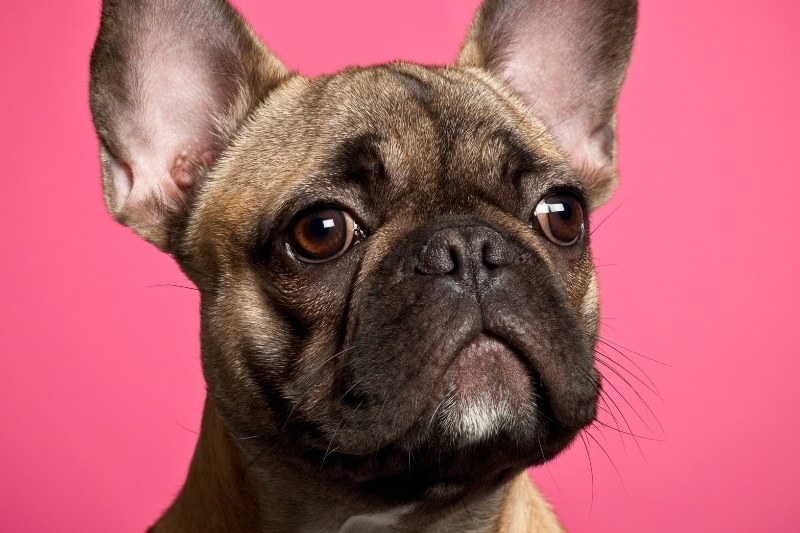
<point>376,522</point>
<point>471,420</point>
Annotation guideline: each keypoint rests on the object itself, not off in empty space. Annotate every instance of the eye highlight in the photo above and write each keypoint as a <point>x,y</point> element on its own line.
<point>561,218</point>
<point>321,235</point>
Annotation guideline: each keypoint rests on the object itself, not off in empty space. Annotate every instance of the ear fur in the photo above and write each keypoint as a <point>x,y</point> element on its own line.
<point>171,80</point>
<point>566,59</point>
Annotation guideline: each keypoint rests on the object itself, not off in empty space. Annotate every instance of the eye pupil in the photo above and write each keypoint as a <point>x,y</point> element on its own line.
<point>321,235</point>
<point>566,213</point>
<point>320,227</point>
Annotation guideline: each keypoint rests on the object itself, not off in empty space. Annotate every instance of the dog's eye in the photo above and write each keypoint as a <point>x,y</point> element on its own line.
<point>321,235</point>
<point>561,218</point>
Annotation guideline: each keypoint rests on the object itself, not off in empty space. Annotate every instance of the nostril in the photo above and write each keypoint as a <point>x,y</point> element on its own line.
<point>488,257</point>
<point>496,253</point>
<point>453,260</point>
<point>439,256</point>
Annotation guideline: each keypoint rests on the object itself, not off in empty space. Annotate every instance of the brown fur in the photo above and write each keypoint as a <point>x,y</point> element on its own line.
<point>320,377</point>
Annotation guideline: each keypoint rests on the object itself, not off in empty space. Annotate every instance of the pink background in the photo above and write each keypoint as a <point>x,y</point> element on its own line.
<point>101,387</point>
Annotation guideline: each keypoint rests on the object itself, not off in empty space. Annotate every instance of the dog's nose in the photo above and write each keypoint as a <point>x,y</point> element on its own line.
<point>465,251</point>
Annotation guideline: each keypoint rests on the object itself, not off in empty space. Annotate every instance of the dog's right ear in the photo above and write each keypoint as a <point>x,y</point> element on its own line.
<point>171,80</point>
<point>566,60</point>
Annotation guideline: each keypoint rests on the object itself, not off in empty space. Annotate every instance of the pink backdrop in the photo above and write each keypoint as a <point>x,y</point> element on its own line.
<point>101,388</point>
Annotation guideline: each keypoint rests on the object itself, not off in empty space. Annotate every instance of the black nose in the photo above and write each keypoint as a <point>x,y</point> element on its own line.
<point>464,251</point>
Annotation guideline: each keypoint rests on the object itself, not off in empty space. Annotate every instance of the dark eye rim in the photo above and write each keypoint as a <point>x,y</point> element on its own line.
<point>358,234</point>
<point>576,194</point>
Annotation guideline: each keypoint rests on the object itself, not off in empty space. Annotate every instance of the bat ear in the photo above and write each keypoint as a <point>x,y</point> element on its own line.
<point>171,80</point>
<point>566,59</point>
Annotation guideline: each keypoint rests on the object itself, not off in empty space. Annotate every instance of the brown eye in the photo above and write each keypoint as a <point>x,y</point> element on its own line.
<point>321,235</point>
<point>561,218</point>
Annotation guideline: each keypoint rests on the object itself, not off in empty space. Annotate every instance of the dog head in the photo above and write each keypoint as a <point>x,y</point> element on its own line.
<point>394,261</point>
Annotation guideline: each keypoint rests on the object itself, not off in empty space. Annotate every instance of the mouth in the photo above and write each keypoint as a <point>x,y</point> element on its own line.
<point>489,387</point>
<point>486,414</point>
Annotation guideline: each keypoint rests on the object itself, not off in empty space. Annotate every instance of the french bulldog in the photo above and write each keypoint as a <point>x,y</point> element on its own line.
<point>398,302</point>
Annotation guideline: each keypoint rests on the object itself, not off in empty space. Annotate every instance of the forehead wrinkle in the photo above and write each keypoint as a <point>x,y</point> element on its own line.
<point>438,108</point>
<point>350,159</point>
<point>490,165</point>
<point>374,100</point>
<point>454,108</point>
<point>464,105</point>
<point>420,89</point>
<point>421,144</point>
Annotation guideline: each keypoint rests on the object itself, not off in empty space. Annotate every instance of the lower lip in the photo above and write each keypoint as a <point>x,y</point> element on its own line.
<point>487,367</point>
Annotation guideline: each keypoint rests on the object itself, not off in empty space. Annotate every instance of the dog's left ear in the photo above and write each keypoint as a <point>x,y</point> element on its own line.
<point>566,59</point>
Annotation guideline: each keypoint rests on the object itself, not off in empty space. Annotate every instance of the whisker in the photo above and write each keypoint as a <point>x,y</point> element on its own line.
<point>348,391</point>
<point>326,361</point>
<point>173,285</point>
<point>633,363</point>
<point>435,410</point>
<point>608,341</point>
<point>464,504</point>
<point>609,460</point>
<point>330,443</point>
<point>624,419</point>
<point>546,464</point>
<point>560,122</point>
<point>612,428</point>
<point>605,362</point>
<point>608,411</point>
<point>591,470</point>
<point>187,429</point>
<point>607,408</point>
<point>380,416</point>
<point>641,399</point>
<point>328,451</point>
<point>605,439</point>
<point>607,325</point>
<point>525,115</point>
<point>635,411</point>
<point>248,438</point>
<point>607,217</point>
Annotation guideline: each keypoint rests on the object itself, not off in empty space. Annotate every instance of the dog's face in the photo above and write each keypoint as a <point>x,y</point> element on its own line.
<point>394,262</point>
<point>396,284</point>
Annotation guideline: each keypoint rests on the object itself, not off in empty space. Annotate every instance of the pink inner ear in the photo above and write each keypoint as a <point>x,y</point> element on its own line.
<point>554,82</point>
<point>185,166</point>
<point>170,135</point>
<point>122,178</point>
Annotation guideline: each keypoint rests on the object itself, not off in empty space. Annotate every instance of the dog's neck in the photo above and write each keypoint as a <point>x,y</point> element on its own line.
<point>225,493</point>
